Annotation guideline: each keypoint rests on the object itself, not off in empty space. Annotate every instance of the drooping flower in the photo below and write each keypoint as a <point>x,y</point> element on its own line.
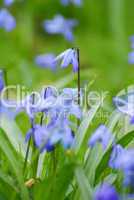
<point>46,61</point>
<point>117,151</point>
<point>125,163</point>
<point>7,21</point>
<point>60,25</point>
<point>8,2</point>
<point>106,192</point>
<point>67,2</point>
<point>68,57</point>
<point>102,135</point>
<point>126,105</point>
<point>41,137</point>
<point>131,57</point>
<point>2,82</point>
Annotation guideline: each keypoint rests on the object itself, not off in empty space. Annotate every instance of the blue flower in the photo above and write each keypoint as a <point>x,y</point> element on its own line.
<point>76,2</point>
<point>117,151</point>
<point>7,21</point>
<point>41,137</point>
<point>125,163</point>
<point>131,57</point>
<point>106,192</point>
<point>132,41</point>
<point>68,57</point>
<point>102,135</point>
<point>46,61</point>
<point>8,2</point>
<point>2,82</point>
<point>126,105</point>
<point>60,25</point>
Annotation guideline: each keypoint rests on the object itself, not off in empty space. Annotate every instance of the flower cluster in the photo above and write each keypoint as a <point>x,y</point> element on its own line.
<point>55,126</point>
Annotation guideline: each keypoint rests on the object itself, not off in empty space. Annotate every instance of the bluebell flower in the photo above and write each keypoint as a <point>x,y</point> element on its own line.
<point>68,57</point>
<point>117,151</point>
<point>2,82</point>
<point>102,135</point>
<point>41,137</point>
<point>7,21</point>
<point>106,192</point>
<point>125,163</point>
<point>60,25</point>
<point>125,105</point>
<point>8,2</point>
<point>76,2</point>
<point>131,57</point>
<point>132,41</point>
<point>62,133</point>
<point>46,61</point>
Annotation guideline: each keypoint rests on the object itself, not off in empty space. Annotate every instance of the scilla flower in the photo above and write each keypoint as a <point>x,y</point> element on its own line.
<point>102,135</point>
<point>60,25</point>
<point>125,105</point>
<point>2,83</point>
<point>66,2</point>
<point>68,57</point>
<point>41,136</point>
<point>7,21</point>
<point>46,61</point>
<point>125,163</point>
<point>106,192</point>
<point>117,151</point>
<point>8,2</point>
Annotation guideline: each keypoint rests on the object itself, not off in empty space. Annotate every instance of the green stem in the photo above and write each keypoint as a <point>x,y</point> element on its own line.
<point>78,79</point>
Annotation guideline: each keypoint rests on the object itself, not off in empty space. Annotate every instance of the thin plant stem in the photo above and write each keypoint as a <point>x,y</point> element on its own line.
<point>26,156</point>
<point>78,76</point>
<point>78,81</point>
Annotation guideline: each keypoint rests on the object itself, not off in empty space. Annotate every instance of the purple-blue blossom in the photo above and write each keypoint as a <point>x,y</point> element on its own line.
<point>69,56</point>
<point>41,137</point>
<point>2,83</point>
<point>8,2</point>
<point>117,151</point>
<point>131,57</point>
<point>102,135</point>
<point>46,61</point>
<point>60,25</point>
<point>67,2</point>
<point>132,41</point>
<point>125,163</point>
<point>125,106</point>
<point>7,21</point>
<point>106,192</point>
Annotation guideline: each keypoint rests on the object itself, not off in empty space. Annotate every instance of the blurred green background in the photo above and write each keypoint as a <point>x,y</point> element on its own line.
<point>102,36</point>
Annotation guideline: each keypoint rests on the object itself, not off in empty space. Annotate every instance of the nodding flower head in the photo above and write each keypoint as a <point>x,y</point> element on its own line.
<point>117,151</point>
<point>46,61</point>
<point>69,56</point>
<point>7,21</point>
<point>8,2</point>
<point>67,2</point>
<point>2,83</point>
<point>60,25</point>
<point>102,135</point>
<point>125,163</point>
<point>106,192</point>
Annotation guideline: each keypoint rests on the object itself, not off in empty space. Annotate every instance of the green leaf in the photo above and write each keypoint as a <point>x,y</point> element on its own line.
<point>82,130</point>
<point>8,150</point>
<point>55,187</point>
<point>85,190</point>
